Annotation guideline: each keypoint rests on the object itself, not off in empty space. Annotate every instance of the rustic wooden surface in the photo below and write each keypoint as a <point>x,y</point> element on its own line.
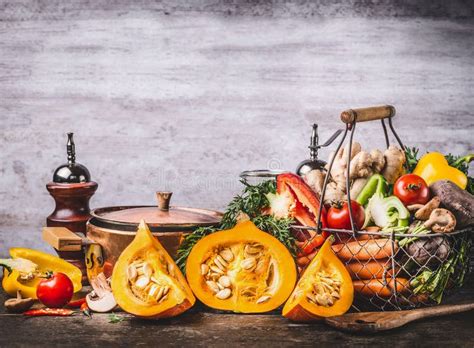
<point>201,328</point>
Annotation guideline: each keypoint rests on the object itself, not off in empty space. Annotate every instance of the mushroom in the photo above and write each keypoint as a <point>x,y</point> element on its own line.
<point>101,299</point>
<point>441,221</point>
<point>18,304</point>
<point>423,212</point>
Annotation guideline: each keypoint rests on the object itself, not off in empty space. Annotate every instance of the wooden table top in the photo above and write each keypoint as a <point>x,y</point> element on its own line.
<point>201,327</point>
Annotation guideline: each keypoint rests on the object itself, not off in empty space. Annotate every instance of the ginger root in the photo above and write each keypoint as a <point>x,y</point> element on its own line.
<point>315,180</point>
<point>394,161</point>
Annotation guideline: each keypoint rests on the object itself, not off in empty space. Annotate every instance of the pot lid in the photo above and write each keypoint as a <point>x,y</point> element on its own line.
<point>159,218</point>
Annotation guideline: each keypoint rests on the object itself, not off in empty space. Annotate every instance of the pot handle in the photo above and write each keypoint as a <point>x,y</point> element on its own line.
<point>164,198</point>
<point>62,239</point>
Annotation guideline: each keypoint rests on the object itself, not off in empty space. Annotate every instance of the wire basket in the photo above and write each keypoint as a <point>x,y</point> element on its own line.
<point>400,274</point>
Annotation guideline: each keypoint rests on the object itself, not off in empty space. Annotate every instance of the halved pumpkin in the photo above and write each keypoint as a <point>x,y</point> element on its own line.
<point>242,270</point>
<point>146,282</point>
<point>324,290</point>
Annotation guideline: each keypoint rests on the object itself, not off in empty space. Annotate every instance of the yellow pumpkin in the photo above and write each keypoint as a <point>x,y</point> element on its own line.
<point>242,269</point>
<point>324,290</point>
<point>146,282</point>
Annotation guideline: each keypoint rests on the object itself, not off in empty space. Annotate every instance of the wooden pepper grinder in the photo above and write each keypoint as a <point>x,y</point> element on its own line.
<point>71,189</point>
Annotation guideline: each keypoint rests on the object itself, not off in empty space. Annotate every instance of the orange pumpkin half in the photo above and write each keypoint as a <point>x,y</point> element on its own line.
<point>146,282</point>
<point>324,290</point>
<point>242,270</point>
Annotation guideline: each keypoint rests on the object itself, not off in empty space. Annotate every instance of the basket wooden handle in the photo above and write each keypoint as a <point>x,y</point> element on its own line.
<point>367,114</point>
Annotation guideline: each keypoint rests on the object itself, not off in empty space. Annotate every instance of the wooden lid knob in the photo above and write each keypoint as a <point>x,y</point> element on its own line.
<point>164,199</point>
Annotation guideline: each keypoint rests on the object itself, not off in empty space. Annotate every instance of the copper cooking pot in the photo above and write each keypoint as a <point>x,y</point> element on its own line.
<point>111,229</point>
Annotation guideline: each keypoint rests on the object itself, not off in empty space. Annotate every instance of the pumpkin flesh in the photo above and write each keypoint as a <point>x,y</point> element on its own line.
<point>325,289</point>
<point>146,282</point>
<point>243,270</point>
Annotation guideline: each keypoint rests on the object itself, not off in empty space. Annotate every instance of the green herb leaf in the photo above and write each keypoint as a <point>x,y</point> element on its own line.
<point>114,318</point>
<point>411,155</point>
<point>279,228</point>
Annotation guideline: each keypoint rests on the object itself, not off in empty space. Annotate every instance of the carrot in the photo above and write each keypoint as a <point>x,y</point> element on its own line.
<point>380,288</point>
<point>304,260</point>
<point>369,270</point>
<point>365,250</point>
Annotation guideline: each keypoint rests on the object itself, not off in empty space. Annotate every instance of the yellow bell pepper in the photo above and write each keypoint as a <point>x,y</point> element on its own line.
<point>27,266</point>
<point>433,167</point>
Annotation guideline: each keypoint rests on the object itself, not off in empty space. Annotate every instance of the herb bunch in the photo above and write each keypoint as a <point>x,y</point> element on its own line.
<point>252,202</point>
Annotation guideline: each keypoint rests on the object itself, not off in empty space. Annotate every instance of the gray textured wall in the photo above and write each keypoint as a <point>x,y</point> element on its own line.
<point>167,95</point>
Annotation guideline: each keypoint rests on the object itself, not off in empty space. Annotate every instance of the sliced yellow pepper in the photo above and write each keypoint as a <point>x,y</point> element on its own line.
<point>12,281</point>
<point>433,167</point>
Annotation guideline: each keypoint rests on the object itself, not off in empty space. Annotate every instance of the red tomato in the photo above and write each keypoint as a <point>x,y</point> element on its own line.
<point>411,189</point>
<point>338,216</point>
<point>55,291</point>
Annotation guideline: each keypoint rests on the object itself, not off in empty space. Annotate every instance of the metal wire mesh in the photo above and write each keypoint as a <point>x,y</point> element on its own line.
<point>388,272</point>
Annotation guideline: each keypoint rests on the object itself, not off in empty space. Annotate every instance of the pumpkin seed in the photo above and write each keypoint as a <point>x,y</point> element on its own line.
<point>164,298</point>
<point>204,269</point>
<point>311,297</point>
<point>335,295</point>
<point>260,268</point>
<point>142,282</point>
<point>248,263</point>
<point>131,273</point>
<point>225,281</point>
<point>216,269</point>
<point>147,270</point>
<point>263,299</point>
<point>252,249</point>
<point>227,254</point>
<point>160,293</point>
<point>220,265</point>
<point>153,290</point>
<point>154,280</point>
<point>224,294</point>
<point>321,300</point>
<point>213,286</point>
<point>222,260</point>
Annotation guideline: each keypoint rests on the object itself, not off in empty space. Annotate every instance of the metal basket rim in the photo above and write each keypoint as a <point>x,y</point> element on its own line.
<point>387,233</point>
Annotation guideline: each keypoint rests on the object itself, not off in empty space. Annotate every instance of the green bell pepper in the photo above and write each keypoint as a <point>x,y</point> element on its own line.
<point>376,184</point>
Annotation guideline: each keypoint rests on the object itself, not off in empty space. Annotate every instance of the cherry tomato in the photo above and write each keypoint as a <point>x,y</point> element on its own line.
<point>55,291</point>
<point>411,189</point>
<point>338,216</point>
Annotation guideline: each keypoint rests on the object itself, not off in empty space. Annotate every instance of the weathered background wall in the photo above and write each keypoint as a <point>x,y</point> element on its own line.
<point>184,96</point>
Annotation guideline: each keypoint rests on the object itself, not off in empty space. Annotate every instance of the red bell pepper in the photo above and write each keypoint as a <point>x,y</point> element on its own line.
<point>297,200</point>
<point>306,201</point>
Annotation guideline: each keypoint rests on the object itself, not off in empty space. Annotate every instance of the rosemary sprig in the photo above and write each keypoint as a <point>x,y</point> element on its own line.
<point>279,228</point>
<point>252,202</point>
<point>189,241</point>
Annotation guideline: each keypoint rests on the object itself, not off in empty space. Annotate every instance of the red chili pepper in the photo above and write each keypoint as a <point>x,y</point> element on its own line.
<point>60,312</point>
<point>85,310</point>
<point>77,303</point>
